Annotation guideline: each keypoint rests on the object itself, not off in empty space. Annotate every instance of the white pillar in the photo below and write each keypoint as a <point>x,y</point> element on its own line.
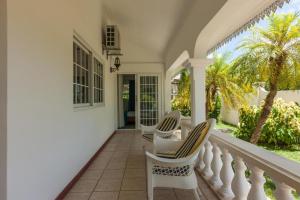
<point>198,89</point>
<point>167,92</point>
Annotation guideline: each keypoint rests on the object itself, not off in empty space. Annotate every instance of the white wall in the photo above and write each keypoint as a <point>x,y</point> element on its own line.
<point>231,116</point>
<point>3,98</point>
<point>49,141</point>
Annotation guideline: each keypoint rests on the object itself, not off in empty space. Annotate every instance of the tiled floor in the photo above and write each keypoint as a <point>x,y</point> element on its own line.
<point>118,173</point>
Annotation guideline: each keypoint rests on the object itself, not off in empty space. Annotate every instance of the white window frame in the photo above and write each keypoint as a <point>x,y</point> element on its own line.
<point>87,51</point>
<point>92,55</point>
<point>103,81</point>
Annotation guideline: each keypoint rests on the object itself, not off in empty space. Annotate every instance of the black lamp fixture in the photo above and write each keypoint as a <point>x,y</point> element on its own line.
<point>116,66</point>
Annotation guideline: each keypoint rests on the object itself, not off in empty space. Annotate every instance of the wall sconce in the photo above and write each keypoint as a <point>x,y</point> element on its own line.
<point>116,66</point>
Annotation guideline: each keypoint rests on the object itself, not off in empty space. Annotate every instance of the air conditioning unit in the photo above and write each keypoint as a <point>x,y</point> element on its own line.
<point>111,38</point>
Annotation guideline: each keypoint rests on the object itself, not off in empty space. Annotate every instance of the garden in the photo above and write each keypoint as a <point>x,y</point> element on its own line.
<point>270,58</point>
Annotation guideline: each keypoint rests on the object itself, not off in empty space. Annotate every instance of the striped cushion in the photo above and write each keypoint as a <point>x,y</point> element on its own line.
<point>148,136</point>
<point>169,123</point>
<point>194,139</point>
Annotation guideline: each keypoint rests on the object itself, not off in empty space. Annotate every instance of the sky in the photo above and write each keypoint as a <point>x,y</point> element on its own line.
<point>293,6</point>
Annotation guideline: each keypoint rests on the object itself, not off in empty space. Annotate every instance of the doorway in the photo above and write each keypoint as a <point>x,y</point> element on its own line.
<point>127,101</point>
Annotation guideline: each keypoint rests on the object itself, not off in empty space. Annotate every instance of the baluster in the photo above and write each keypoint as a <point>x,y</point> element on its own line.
<point>226,176</point>
<point>200,162</point>
<point>257,180</point>
<point>216,166</point>
<point>283,191</point>
<point>240,185</point>
<point>184,132</point>
<point>208,156</point>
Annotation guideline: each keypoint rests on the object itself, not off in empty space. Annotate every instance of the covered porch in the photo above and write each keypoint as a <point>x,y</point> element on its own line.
<point>61,106</point>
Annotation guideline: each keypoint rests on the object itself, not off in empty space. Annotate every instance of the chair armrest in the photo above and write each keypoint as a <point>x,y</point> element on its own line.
<point>173,162</point>
<point>164,133</point>
<point>148,128</point>
<point>165,144</point>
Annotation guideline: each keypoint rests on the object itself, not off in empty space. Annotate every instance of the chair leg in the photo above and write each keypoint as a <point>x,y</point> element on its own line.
<point>149,180</point>
<point>197,193</point>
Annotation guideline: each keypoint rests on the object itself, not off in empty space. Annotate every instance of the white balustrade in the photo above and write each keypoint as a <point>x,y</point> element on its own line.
<point>240,185</point>
<point>208,156</point>
<point>226,175</point>
<point>283,191</point>
<point>200,162</point>
<point>216,166</point>
<point>257,184</point>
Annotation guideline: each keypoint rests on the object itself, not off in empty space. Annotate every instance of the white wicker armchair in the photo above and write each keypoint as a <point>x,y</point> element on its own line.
<point>174,167</point>
<point>164,128</point>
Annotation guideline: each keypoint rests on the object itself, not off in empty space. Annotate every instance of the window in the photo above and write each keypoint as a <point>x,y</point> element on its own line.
<point>98,82</point>
<point>81,74</point>
<point>88,76</point>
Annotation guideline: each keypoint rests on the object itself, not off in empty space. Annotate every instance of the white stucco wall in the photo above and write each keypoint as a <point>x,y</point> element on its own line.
<point>49,141</point>
<point>3,98</point>
<point>231,116</point>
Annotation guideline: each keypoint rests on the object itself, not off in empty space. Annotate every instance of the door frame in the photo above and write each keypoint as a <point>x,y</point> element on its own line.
<point>159,88</point>
<point>137,96</point>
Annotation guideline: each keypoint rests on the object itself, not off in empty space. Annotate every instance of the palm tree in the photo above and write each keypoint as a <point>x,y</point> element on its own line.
<point>271,55</point>
<point>220,80</point>
<point>182,100</point>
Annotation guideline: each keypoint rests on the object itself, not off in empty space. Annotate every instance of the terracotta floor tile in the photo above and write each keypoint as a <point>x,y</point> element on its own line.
<point>84,186</point>
<point>133,195</point>
<point>113,174</point>
<point>92,174</point>
<point>109,185</point>
<point>134,184</point>
<point>77,196</point>
<point>104,196</point>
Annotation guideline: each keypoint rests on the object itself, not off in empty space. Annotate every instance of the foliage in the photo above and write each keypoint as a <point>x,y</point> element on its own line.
<point>215,113</point>
<point>281,128</point>
<point>182,101</point>
<point>222,83</point>
<point>271,55</point>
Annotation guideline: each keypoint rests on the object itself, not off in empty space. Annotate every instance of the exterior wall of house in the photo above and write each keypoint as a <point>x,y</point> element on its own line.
<point>48,140</point>
<point>3,98</point>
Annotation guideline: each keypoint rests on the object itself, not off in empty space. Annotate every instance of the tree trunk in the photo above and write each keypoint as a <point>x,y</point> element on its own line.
<point>263,116</point>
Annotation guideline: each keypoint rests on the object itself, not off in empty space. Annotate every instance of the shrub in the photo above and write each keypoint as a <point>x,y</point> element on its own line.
<point>215,113</point>
<point>281,128</point>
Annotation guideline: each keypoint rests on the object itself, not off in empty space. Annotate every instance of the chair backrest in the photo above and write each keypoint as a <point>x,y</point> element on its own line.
<point>197,137</point>
<point>170,122</point>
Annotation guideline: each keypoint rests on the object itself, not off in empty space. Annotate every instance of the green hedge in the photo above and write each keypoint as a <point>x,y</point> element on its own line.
<point>281,128</point>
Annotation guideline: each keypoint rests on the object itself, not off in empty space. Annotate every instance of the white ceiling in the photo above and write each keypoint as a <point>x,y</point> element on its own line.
<point>146,26</point>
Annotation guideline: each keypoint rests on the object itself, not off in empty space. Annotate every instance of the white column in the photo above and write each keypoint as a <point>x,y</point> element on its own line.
<point>198,89</point>
<point>167,92</point>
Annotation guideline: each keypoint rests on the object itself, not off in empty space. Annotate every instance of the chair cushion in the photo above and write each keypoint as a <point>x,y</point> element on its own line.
<point>168,124</point>
<point>148,136</point>
<point>191,143</point>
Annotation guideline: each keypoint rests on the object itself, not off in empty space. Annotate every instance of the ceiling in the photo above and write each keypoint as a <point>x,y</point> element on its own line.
<point>146,26</point>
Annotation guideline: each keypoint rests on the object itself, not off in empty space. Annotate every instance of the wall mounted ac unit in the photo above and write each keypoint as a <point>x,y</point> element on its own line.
<point>111,37</point>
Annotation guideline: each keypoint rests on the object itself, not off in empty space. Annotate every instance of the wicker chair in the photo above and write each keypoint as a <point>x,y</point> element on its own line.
<point>175,168</point>
<point>164,128</point>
